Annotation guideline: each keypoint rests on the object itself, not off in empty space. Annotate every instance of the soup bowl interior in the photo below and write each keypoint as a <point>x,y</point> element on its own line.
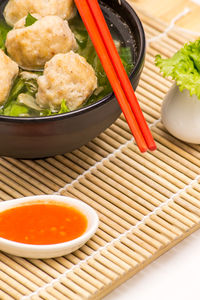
<point>49,136</point>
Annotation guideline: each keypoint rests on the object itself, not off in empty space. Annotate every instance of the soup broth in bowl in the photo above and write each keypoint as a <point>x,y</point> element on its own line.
<point>23,101</point>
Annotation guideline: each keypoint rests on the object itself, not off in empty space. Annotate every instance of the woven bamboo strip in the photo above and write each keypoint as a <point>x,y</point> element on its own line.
<point>134,244</point>
<point>15,280</point>
<point>42,183</point>
<point>192,197</point>
<point>81,273</point>
<point>167,225</point>
<point>141,189</point>
<point>72,169</point>
<point>9,182</point>
<point>164,162</point>
<point>43,276</point>
<point>110,226</point>
<point>9,290</point>
<point>160,26</point>
<point>3,196</point>
<point>106,270</point>
<point>162,49</point>
<point>60,179</point>
<point>172,220</point>
<point>50,179</point>
<point>79,162</point>
<point>119,130</point>
<point>96,149</point>
<point>176,206</point>
<point>123,252</point>
<point>149,71</point>
<point>51,293</point>
<point>177,146</point>
<point>146,238</point>
<point>21,270</point>
<point>154,84</point>
<point>127,188</point>
<point>179,155</point>
<point>32,183</point>
<point>10,191</point>
<point>93,269</point>
<point>10,285</point>
<point>137,210</point>
<point>58,267</point>
<point>188,206</point>
<point>154,234</point>
<point>174,44</point>
<point>153,90</point>
<point>136,240</point>
<point>49,270</point>
<point>171,212</point>
<point>144,175</point>
<point>4,295</point>
<point>7,174</point>
<point>157,167</point>
<point>148,95</point>
<point>111,211</point>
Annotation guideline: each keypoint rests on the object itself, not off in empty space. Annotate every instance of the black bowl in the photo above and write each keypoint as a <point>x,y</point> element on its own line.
<point>49,136</point>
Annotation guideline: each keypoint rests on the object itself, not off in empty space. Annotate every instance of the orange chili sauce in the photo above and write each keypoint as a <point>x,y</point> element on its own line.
<point>42,224</point>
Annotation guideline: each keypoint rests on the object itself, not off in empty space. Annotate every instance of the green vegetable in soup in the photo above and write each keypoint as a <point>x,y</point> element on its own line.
<point>87,50</point>
<point>30,20</point>
<point>64,107</point>
<point>4,29</point>
<point>16,110</point>
<point>12,107</point>
<point>21,101</point>
<point>184,67</point>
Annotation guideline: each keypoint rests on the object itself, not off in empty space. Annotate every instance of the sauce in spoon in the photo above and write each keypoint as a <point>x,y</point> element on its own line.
<point>42,224</point>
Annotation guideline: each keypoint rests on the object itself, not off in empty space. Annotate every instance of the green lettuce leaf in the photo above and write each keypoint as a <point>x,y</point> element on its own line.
<point>30,20</point>
<point>183,67</point>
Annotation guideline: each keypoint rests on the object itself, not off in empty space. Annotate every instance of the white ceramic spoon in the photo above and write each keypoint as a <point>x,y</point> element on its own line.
<point>54,250</point>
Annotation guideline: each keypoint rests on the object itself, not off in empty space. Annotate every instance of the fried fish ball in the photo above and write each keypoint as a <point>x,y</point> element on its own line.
<point>17,9</point>
<point>8,72</point>
<point>31,47</point>
<point>66,77</point>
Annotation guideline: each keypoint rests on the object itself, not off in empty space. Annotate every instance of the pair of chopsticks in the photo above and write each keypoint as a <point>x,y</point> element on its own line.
<point>97,28</point>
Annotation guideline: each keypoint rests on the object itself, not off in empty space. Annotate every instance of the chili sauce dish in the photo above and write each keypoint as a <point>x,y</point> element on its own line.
<point>45,226</point>
<point>57,96</point>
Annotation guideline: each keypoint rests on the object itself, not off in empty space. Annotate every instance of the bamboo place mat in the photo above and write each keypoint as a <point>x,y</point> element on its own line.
<point>146,203</point>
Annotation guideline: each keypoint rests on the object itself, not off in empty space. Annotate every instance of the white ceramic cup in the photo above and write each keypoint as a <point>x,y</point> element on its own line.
<point>180,115</point>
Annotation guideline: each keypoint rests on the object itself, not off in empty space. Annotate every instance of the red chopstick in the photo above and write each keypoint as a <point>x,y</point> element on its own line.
<point>122,75</point>
<point>98,43</point>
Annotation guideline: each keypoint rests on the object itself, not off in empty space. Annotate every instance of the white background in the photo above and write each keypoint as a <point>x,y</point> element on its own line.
<point>196,1</point>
